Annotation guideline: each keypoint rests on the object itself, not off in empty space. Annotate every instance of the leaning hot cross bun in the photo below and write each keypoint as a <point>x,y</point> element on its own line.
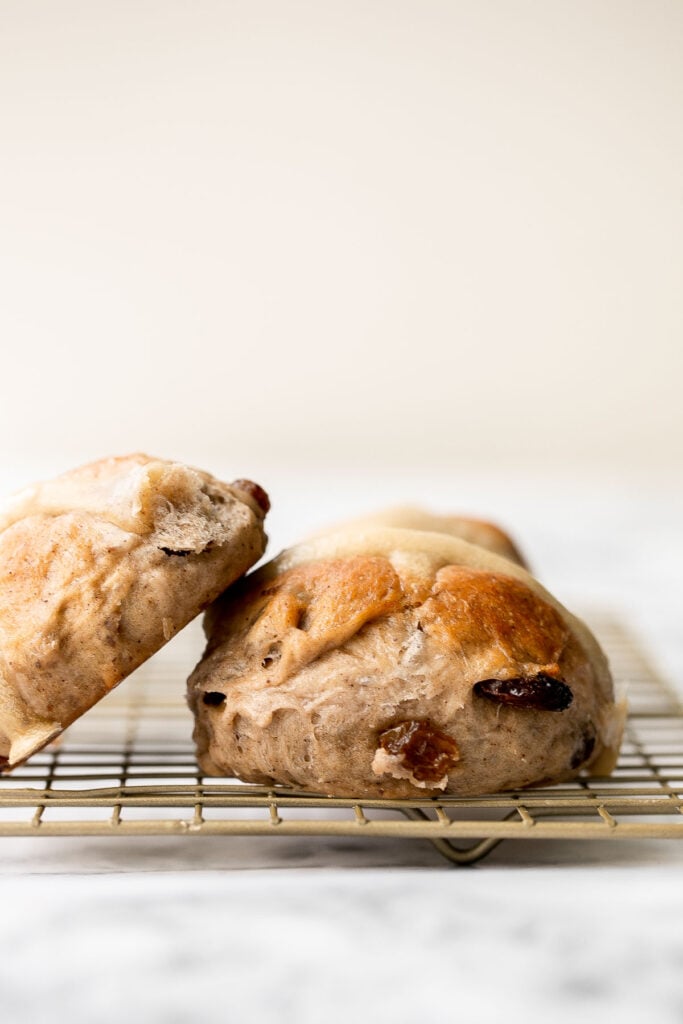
<point>98,569</point>
<point>390,663</point>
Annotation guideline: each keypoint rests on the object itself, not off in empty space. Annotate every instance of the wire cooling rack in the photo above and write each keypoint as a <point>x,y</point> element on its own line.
<point>128,768</point>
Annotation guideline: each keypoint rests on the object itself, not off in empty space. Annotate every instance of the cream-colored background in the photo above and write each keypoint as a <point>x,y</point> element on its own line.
<point>344,233</point>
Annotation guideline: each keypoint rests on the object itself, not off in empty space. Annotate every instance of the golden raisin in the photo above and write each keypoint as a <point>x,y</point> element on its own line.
<point>424,750</point>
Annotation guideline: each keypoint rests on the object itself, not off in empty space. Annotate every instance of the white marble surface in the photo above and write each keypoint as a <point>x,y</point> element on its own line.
<point>555,941</point>
<point>174,930</point>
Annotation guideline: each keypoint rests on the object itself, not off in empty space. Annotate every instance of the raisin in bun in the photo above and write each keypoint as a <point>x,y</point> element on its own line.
<point>98,569</point>
<point>475,531</point>
<point>389,663</point>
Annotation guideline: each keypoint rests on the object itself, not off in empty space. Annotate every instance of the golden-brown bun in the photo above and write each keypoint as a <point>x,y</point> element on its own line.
<point>389,663</point>
<point>474,531</point>
<point>98,569</point>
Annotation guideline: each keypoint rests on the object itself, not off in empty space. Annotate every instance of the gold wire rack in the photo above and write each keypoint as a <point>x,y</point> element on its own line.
<point>127,768</point>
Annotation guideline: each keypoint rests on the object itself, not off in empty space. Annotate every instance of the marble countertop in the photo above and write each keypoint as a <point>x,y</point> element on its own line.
<point>171,930</point>
<point>575,938</point>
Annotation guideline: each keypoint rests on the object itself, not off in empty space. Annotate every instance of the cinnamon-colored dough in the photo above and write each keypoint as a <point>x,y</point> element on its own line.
<point>98,569</point>
<point>390,663</point>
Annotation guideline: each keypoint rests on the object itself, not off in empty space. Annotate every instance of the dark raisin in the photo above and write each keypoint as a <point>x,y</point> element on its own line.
<point>255,492</point>
<point>181,552</point>
<point>213,698</point>
<point>584,749</point>
<point>538,693</point>
<point>425,751</point>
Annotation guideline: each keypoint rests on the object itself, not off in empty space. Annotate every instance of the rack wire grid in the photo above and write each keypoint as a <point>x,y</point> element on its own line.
<point>127,768</point>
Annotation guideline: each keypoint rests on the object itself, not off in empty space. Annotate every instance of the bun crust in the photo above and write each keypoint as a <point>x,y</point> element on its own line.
<point>98,569</point>
<point>389,663</point>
